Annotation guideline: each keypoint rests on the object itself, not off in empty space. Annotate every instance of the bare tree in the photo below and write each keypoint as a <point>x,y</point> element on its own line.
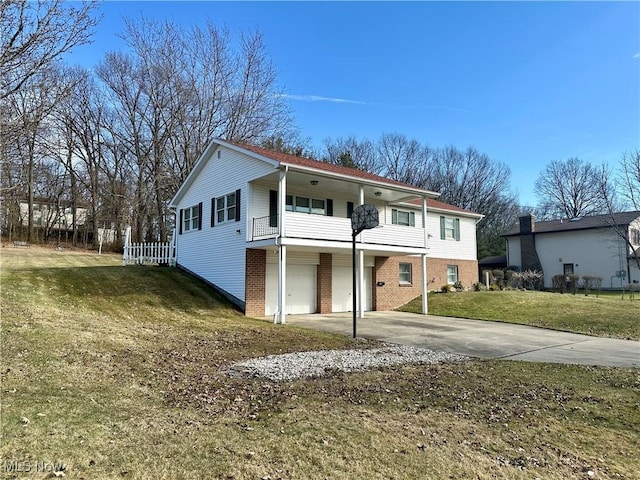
<point>35,34</point>
<point>402,159</point>
<point>471,180</point>
<point>351,152</point>
<point>628,180</point>
<point>175,90</point>
<point>571,189</point>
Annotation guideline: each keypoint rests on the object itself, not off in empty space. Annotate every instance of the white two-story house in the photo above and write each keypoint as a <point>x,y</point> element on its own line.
<point>272,233</point>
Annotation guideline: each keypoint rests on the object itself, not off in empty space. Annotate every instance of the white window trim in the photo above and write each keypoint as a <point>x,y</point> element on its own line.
<point>449,281</point>
<point>400,272</point>
<point>226,208</point>
<point>188,216</point>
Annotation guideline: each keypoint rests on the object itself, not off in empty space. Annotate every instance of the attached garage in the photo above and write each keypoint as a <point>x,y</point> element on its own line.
<point>342,283</point>
<point>300,283</point>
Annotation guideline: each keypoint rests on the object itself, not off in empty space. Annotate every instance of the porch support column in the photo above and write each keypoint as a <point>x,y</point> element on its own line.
<point>361,266</point>
<point>282,250</point>
<point>425,279</point>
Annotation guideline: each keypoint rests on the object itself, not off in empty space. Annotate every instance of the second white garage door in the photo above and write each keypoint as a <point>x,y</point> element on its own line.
<point>300,287</point>
<point>341,287</point>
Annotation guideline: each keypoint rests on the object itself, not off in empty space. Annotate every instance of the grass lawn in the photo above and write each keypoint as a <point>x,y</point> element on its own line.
<point>115,372</point>
<point>605,316</point>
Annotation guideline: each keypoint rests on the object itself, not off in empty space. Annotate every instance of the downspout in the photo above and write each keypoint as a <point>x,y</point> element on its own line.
<point>425,279</point>
<point>361,268</point>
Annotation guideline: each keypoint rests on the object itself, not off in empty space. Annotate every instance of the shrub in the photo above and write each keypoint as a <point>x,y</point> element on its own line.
<point>479,287</point>
<point>590,282</point>
<point>498,275</point>
<point>529,280</point>
<point>458,286</point>
<point>445,288</point>
<point>557,283</point>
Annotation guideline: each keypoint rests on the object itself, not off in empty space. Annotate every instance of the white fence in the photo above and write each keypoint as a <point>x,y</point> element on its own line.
<point>148,253</point>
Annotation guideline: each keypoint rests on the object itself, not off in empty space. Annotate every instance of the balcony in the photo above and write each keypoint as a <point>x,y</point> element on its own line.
<point>319,227</point>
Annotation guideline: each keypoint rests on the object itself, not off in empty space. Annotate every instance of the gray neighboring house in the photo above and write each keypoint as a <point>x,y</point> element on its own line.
<point>582,246</point>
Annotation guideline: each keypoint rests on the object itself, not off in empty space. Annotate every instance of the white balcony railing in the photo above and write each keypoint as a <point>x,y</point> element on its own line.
<point>318,227</point>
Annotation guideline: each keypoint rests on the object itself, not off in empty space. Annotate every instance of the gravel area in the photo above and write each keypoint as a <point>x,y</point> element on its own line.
<point>291,366</point>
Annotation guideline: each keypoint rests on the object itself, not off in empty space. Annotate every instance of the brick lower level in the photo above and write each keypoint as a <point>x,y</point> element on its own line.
<point>388,293</point>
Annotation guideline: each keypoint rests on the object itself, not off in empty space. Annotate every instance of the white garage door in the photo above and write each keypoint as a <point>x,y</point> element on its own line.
<point>300,287</point>
<point>341,287</point>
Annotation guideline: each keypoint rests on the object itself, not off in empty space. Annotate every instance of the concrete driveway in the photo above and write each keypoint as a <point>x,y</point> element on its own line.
<point>479,338</point>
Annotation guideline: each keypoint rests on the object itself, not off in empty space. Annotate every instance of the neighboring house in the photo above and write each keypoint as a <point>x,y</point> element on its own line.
<point>582,246</point>
<point>272,232</point>
<point>52,216</point>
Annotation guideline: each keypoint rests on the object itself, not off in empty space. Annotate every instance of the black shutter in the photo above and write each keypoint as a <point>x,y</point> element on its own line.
<point>238,205</point>
<point>213,212</point>
<point>349,209</point>
<point>200,216</point>
<point>273,208</point>
<point>329,207</point>
<point>180,227</point>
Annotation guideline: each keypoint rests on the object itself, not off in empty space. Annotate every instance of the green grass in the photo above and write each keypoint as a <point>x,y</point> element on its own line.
<point>607,315</point>
<point>116,372</point>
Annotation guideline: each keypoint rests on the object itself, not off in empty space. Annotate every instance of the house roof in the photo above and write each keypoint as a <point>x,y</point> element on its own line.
<point>493,260</point>
<point>292,160</point>
<point>580,223</point>
<point>278,159</point>
<point>433,204</point>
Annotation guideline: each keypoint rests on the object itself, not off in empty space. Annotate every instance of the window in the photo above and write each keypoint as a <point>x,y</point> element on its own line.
<point>452,274</point>
<point>191,218</point>
<point>308,205</point>
<point>405,274</point>
<point>449,228</point>
<point>302,204</point>
<point>227,208</point>
<point>401,217</point>
<point>635,236</point>
<point>317,206</point>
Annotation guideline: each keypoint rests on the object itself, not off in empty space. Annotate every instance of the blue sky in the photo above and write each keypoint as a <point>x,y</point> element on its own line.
<point>525,83</point>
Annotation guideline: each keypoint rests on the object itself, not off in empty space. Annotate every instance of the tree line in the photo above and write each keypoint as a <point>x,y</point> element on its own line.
<point>120,138</point>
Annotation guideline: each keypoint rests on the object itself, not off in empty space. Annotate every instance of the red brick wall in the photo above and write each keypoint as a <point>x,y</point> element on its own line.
<point>324,284</point>
<point>393,295</point>
<point>437,272</point>
<point>255,280</point>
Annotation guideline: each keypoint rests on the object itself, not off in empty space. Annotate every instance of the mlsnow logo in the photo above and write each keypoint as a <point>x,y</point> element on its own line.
<point>32,466</point>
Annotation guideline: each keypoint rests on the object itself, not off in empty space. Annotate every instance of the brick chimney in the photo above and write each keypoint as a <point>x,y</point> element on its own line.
<point>529,259</point>
<point>527,224</point>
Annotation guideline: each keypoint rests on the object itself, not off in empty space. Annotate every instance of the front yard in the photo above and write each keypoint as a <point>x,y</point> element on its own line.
<point>112,372</point>
<point>607,315</point>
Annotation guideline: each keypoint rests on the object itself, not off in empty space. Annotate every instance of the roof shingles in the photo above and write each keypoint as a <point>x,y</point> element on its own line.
<point>581,223</point>
<point>288,159</point>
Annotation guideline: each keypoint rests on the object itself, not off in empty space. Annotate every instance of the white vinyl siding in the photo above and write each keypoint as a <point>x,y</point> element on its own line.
<point>591,252</point>
<point>218,254</point>
<point>464,249</point>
